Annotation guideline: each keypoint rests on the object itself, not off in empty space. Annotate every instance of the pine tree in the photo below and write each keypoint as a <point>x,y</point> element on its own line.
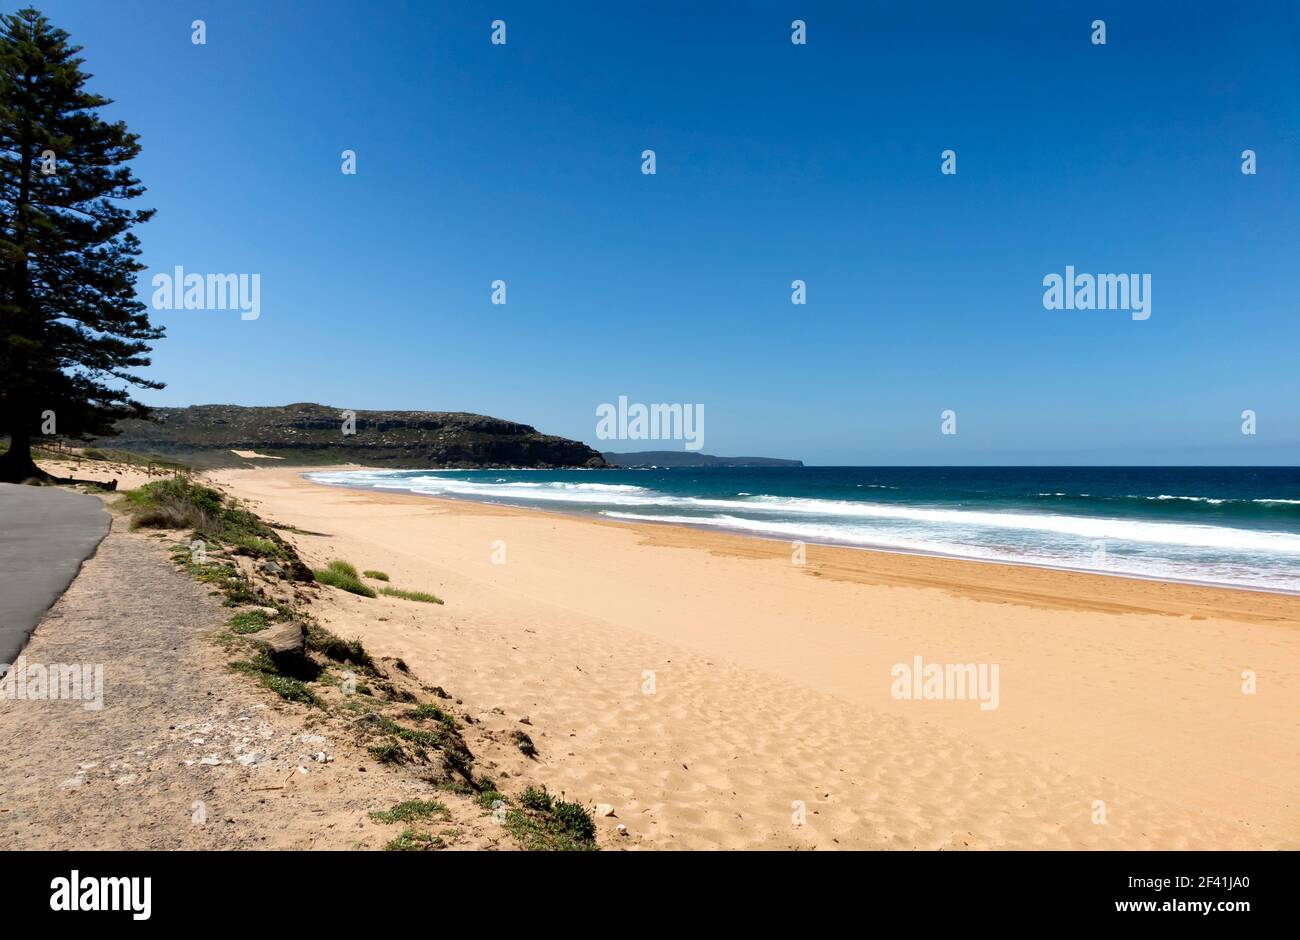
<point>70,323</point>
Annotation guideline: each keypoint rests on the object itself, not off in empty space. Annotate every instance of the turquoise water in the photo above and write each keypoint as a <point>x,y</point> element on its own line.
<point>1218,525</point>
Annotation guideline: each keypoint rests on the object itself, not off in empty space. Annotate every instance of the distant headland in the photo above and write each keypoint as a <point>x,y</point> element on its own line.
<point>314,434</point>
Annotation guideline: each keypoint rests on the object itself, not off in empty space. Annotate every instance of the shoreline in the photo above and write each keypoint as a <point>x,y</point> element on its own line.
<point>770,682</point>
<point>744,534</point>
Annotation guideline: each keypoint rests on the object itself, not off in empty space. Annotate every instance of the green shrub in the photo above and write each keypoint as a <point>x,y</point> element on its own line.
<point>176,503</point>
<point>537,799</point>
<point>576,821</point>
<point>388,752</point>
<point>562,827</point>
<point>375,575</point>
<point>179,503</point>
<point>459,760</point>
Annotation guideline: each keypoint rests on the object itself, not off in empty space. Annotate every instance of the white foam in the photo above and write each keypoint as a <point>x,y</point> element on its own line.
<point>963,531</point>
<point>1197,570</point>
<point>1165,533</point>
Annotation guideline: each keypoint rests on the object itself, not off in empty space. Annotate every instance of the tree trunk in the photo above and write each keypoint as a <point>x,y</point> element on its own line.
<point>16,463</point>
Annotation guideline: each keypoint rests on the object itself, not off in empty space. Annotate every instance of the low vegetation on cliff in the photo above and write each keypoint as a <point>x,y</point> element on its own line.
<point>311,434</point>
<point>273,639</point>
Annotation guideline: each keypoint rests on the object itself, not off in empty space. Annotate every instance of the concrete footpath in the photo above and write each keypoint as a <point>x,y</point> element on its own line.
<point>45,534</point>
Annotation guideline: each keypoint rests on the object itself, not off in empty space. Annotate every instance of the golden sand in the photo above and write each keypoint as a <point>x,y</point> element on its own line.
<point>717,695</point>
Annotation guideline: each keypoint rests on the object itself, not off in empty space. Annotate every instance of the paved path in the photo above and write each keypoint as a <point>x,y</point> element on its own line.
<point>45,534</point>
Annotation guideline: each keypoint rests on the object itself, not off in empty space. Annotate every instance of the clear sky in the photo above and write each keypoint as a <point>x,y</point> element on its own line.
<point>774,162</point>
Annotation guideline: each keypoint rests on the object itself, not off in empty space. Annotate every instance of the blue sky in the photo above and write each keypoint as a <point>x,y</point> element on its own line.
<point>775,162</point>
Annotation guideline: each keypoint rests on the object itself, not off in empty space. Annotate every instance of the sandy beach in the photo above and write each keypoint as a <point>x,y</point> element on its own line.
<point>719,696</point>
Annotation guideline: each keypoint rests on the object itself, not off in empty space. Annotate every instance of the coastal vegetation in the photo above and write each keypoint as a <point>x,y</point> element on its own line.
<point>422,596</point>
<point>411,810</point>
<point>306,433</point>
<point>249,621</point>
<point>343,575</point>
<point>542,823</point>
<point>274,640</point>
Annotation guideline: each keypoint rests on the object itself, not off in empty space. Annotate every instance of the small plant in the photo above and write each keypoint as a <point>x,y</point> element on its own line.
<point>293,690</point>
<point>252,545</point>
<point>252,621</point>
<point>287,687</point>
<point>375,575</point>
<point>412,841</point>
<point>339,650</point>
<point>421,739</point>
<point>536,799</point>
<point>343,576</point>
<point>458,759</point>
<point>525,744</point>
<point>388,752</point>
<point>431,712</point>
<point>422,596</point>
<point>557,827</point>
<point>576,821</point>
<point>411,809</point>
<point>459,787</point>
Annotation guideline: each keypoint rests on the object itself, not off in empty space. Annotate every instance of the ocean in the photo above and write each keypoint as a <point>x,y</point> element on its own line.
<point>1236,526</point>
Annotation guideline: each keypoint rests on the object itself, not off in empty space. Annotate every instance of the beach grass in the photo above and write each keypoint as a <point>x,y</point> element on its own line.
<point>422,596</point>
<point>342,575</point>
<point>375,575</point>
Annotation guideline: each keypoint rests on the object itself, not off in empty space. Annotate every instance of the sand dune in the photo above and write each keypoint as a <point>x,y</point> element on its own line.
<point>712,691</point>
